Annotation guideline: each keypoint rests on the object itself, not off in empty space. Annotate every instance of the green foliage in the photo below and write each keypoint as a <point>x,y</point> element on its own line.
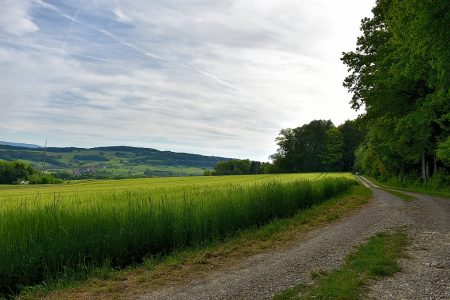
<point>99,158</point>
<point>43,179</point>
<point>443,151</point>
<point>256,167</point>
<point>331,157</point>
<point>78,231</point>
<point>63,175</point>
<point>317,146</point>
<point>16,171</point>
<point>237,167</point>
<point>352,136</point>
<point>270,168</point>
<point>438,185</point>
<point>299,149</point>
<point>399,73</point>
<point>12,172</point>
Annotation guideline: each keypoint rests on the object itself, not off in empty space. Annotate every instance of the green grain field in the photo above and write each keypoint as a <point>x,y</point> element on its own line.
<point>47,231</point>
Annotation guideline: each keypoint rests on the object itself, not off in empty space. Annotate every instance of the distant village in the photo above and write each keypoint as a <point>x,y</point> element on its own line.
<point>88,170</point>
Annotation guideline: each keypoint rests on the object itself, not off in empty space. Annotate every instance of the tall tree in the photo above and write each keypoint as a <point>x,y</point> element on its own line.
<point>331,156</point>
<point>352,136</point>
<point>399,73</point>
<point>300,149</point>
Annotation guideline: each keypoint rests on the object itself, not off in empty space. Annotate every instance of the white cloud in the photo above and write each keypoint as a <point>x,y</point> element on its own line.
<point>121,17</point>
<point>222,77</point>
<point>15,18</point>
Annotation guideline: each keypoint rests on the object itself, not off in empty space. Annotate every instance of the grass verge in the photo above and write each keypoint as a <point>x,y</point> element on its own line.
<point>375,259</point>
<point>413,188</point>
<point>180,266</point>
<point>401,195</point>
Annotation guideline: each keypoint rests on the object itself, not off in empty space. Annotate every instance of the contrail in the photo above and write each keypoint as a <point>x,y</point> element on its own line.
<point>69,34</point>
<point>102,31</point>
<point>142,51</point>
<point>56,50</point>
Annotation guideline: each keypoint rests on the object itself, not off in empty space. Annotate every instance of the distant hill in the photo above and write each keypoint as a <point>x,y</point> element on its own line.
<point>110,162</point>
<point>19,145</point>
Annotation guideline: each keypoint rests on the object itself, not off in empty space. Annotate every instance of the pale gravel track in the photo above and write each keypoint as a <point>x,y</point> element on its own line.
<point>264,275</point>
<point>426,271</point>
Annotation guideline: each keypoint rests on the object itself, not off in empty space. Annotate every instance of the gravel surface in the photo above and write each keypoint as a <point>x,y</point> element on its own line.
<point>426,273</point>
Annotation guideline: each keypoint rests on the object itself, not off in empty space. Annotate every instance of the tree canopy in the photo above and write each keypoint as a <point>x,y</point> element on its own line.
<point>10,172</point>
<point>16,171</point>
<point>237,167</point>
<point>317,147</point>
<point>399,72</point>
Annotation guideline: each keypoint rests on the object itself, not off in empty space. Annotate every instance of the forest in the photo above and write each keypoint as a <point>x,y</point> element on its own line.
<point>399,73</point>
<point>399,77</point>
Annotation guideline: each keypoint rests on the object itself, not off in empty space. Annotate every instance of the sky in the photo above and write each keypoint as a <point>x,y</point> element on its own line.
<point>211,77</point>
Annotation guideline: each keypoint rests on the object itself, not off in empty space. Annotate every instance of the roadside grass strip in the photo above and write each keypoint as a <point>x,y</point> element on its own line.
<point>396,193</point>
<point>373,260</point>
<point>406,197</point>
<point>443,192</point>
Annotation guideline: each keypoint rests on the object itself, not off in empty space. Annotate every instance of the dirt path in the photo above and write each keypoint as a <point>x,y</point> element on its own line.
<point>426,271</point>
<point>426,274</point>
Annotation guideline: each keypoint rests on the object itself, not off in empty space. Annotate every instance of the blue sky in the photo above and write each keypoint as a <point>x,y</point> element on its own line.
<point>209,77</point>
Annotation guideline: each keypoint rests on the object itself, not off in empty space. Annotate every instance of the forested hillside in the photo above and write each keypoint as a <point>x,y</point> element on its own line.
<point>111,162</point>
<point>400,74</point>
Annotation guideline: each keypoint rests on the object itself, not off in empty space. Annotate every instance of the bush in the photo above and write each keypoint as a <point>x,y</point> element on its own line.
<point>439,181</point>
<point>43,179</point>
<point>443,151</point>
<point>14,171</point>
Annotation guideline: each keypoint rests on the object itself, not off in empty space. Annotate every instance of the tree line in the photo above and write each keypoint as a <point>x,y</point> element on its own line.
<point>239,167</point>
<point>400,74</point>
<point>14,172</point>
<point>318,146</point>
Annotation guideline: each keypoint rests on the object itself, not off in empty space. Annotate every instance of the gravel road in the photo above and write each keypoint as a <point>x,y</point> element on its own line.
<point>425,274</point>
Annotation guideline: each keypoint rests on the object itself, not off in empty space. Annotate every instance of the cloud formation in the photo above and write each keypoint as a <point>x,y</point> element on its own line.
<point>209,77</point>
<point>15,18</point>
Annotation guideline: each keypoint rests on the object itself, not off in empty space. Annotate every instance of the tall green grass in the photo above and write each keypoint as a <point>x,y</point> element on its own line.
<point>40,240</point>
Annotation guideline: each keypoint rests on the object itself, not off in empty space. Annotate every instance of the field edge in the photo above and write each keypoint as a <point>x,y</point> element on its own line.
<point>181,266</point>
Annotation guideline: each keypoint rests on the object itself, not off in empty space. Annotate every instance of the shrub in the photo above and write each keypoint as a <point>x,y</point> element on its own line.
<point>14,171</point>
<point>43,179</point>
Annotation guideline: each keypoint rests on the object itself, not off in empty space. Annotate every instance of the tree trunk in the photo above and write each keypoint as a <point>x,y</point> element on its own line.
<point>434,164</point>
<point>423,175</point>
<point>427,170</point>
